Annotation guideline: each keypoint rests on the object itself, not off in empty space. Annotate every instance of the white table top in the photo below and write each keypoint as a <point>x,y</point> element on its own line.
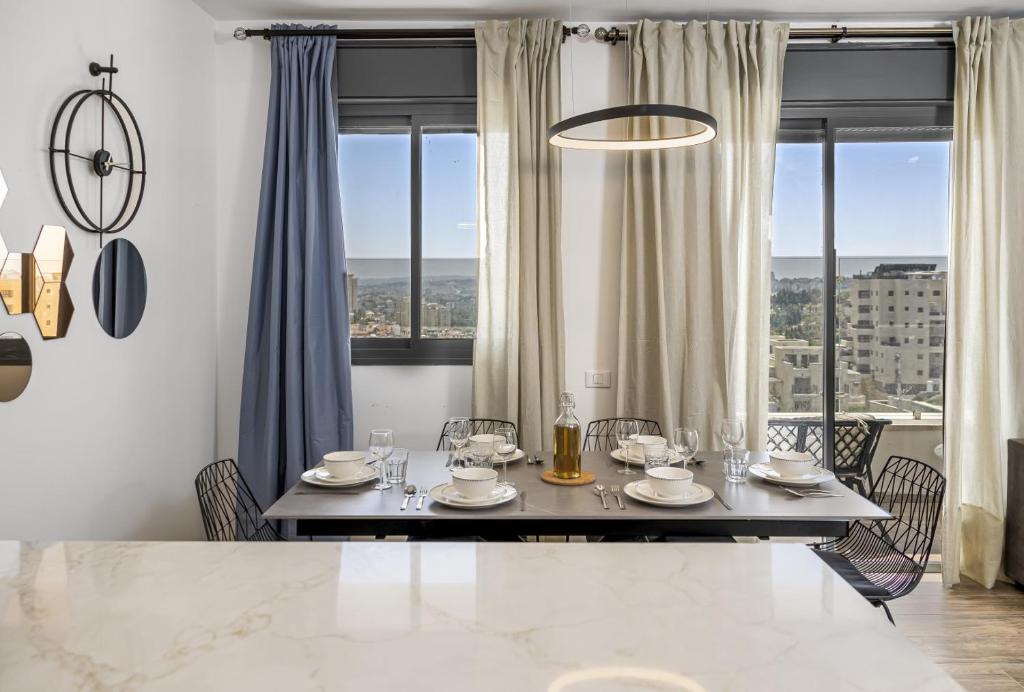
<point>424,616</point>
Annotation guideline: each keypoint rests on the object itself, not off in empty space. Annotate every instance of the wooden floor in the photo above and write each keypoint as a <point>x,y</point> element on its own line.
<point>975,634</point>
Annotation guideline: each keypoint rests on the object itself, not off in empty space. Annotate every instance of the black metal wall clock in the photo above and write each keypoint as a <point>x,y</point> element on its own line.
<point>97,159</point>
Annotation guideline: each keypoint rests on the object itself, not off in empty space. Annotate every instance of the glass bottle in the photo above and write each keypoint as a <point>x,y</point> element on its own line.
<point>567,439</point>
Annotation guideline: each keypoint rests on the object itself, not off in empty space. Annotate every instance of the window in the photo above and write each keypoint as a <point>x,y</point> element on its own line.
<point>407,168</point>
<point>883,174</point>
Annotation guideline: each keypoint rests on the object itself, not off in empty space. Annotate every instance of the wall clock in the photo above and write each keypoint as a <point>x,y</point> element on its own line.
<point>97,159</point>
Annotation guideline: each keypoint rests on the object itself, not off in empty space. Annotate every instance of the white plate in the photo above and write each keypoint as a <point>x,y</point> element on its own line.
<point>766,472</point>
<point>619,455</point>
<point>445,494</point>
<point>319,476</point>
<point>638,490</point>
<point>515,457</point>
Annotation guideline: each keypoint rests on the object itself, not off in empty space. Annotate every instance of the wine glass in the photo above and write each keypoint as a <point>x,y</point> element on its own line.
<point>382,443</point>
<point>627,433</point>
<point>686,441</point>
<point>506,444</point>
<point>732,433</point>
<point>458,433</point>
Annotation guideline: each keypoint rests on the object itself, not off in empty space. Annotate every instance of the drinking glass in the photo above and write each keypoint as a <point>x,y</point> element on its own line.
<point>687,442</point>
<point>655,456</point>
<point>480,454</point>
<point>458,433</point>
<point>398,463</point>
<point>627,432</point>
<point>735,466</point>
<point>732,432</point>
<point>382,443</point>
<point>505,446</point>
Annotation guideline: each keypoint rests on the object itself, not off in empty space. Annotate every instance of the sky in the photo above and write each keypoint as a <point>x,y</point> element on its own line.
<point>375,194</point>
<point>891,197</point>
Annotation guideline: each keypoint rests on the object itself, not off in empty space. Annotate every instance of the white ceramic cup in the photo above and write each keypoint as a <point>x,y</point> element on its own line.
<point>670,481</point>
<point>791,464</point>
<point>344,465</point>
<point>474,483</point>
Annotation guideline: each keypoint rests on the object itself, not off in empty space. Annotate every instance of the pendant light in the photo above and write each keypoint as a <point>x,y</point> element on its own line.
<point>698,127</point>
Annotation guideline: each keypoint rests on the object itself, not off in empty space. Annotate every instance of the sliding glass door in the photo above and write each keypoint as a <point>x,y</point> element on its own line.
<point>860,242</point>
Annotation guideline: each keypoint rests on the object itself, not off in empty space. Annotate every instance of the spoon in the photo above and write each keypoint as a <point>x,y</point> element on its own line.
<point>599,489</point>
<point>410,490</point>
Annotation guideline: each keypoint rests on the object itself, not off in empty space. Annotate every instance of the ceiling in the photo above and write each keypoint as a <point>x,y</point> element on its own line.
<point>816,11</point>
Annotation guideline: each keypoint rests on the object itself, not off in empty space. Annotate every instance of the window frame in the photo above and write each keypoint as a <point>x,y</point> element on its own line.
<point>819,122</point>
<point>416,114</point>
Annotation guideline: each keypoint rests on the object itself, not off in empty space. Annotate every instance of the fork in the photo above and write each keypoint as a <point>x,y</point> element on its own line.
<point>618,498</point>
<point>810,493</point>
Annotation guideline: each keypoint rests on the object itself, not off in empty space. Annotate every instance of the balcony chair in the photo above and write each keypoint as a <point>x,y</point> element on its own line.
<point>886,560</point>
<point>477,426</point>
<point>229,509</point>
<point>601,432</point>
<point>854,447</point>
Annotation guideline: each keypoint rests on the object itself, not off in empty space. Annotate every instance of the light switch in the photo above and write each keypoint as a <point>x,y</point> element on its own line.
<point>601,379</point>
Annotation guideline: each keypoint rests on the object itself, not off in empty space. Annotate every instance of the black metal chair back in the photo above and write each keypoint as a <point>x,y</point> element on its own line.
<point>892,554</point>
<point>229,509</point>
<point>601,432</point>
<point>477,426</point>
<point>854,448</point>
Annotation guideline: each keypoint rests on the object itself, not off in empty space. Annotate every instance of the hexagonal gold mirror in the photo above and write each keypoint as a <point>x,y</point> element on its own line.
<point>34,282</point>
<point>15,365</point>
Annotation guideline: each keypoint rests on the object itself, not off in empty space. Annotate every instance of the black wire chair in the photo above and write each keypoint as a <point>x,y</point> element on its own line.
<point>854,447</point>
<point>230,511</point>
<point>601,432</point>
<point>886,559</point>
<point>477,426</point>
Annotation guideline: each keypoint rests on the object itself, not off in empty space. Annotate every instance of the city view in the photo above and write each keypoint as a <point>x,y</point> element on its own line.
<point>891,241</point>
<point>890,317</point>
<point>379,295</point>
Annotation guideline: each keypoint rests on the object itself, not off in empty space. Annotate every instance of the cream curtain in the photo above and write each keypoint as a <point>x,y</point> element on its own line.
<point>694,282</point>
<point>519,349</point>
<point>985,312</point>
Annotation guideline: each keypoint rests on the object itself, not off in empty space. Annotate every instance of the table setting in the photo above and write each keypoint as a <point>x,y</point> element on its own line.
<point>633,484</point>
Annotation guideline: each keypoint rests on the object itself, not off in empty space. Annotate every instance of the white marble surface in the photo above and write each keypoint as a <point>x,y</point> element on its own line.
<point>412,617</point>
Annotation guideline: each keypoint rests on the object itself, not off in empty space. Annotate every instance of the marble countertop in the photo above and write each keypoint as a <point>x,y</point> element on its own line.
<point>454,616</point>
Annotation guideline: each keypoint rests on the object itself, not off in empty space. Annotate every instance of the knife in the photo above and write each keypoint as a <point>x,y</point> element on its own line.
<point>720,499</point>
<point>448,464</point>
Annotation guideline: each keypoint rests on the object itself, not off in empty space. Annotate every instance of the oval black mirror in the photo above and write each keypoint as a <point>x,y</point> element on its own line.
<point>119,288</point>
<point>15,365</point>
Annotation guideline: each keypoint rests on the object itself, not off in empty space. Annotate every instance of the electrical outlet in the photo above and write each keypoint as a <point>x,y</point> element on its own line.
<point>601,379</point>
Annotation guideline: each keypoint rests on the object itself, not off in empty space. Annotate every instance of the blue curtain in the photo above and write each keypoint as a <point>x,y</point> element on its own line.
<point>297,379</point>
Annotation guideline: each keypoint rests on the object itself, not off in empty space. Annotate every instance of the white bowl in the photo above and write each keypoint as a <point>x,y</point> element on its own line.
<point>791,463</point>
<point>345,464</point>
<point>474,483</point>
<point>670,481</point>
<point>484,440</point>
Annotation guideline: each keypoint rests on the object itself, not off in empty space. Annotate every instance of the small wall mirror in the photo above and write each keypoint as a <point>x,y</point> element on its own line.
<point>119,288</point>
<point>33,282</point>
<point>15,365</point>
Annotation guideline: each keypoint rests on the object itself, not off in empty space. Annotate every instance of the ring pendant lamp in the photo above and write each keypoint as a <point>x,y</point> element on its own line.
<point>703,125</point>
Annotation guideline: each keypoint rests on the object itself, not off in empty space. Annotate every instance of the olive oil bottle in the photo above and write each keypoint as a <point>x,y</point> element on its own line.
<point>567,439</point>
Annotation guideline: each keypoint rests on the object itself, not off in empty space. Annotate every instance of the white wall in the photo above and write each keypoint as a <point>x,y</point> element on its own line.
<point>416,400</point>
<point>106,439</point>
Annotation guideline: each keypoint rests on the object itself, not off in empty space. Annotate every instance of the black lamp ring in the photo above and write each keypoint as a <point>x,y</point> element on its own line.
<point>707,133</point>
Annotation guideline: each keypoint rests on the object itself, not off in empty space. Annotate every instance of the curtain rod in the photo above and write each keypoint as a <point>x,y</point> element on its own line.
<point>614,35</point>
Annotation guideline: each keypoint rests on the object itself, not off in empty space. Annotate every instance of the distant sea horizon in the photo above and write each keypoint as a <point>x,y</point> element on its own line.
<point>810,267</point>
<point>782,267</point>
<point>390,267</point>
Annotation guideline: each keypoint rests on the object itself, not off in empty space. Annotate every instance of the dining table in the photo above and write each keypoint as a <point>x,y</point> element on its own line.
<point>753,508</point>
